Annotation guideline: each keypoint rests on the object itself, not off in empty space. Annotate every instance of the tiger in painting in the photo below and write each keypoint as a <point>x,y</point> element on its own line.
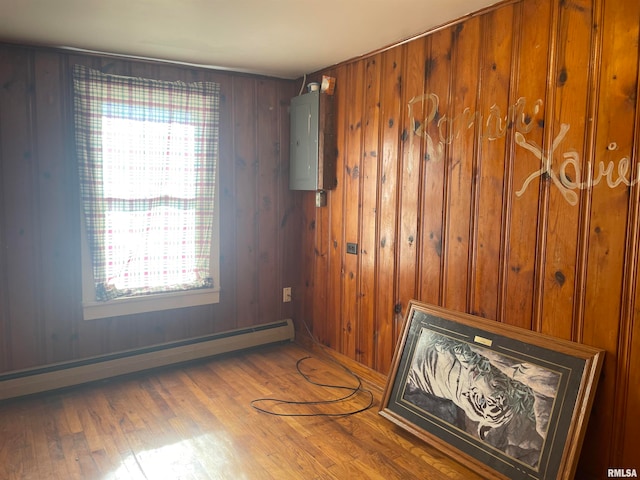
<point>452,381</point>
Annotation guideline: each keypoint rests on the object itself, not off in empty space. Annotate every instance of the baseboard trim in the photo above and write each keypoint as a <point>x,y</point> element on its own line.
<point>66,374</point>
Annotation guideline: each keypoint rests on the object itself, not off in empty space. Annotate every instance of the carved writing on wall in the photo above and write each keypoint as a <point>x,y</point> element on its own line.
<point>569,174</point>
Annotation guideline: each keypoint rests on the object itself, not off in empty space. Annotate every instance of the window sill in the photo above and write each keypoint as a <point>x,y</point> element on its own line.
<point>149,303</point>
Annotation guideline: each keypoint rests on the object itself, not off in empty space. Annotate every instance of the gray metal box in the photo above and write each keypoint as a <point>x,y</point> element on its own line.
<point>304,114</point>
<point>312,151</point>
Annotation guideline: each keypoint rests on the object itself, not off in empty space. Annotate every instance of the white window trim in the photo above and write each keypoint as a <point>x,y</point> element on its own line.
<point>116,307</point>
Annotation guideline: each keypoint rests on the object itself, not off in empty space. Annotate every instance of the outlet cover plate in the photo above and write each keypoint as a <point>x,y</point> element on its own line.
<point>286,294</point>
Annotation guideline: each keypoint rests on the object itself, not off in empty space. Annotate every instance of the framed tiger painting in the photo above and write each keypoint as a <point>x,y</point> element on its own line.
<point>505,401</point>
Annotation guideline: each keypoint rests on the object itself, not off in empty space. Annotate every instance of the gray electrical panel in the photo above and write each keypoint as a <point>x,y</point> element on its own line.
<point>312,150</point>
<point>303,172</point>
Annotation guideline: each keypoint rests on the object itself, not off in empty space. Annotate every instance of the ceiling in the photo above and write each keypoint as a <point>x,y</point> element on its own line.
<point>281,38</point>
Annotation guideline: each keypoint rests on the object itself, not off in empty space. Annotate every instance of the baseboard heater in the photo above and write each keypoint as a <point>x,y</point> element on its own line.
<point>60,375</point>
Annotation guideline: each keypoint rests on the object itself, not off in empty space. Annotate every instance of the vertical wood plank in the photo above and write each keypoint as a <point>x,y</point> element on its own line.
<point>465,124</point>
<point>20,197</point>
<point>335,201</point>
<point>570,112</point>
<point>5,313</point>
<point>352,211</point>
<point>246,165</point>
<point>437,71</point>
<point>390,121</point>
<point>317,227</point>
<point>269,275</point>
<point>489,215</point>
<point>4,280</point>
<point>409,181</point>
<point>527,115</point>
<point>369,198</point>
<point>226,311</point>
<point>59,234</point>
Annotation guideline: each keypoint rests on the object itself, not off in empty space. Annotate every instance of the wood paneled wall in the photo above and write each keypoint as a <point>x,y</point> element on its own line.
<point>492,167</point>
<point>40,283</point>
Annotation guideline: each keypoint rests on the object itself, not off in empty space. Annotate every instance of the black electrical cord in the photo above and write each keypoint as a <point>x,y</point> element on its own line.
<point>353,392</point>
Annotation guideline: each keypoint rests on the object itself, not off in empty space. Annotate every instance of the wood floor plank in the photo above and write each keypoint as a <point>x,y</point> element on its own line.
<point>196,422</point>
<point>45,468</point>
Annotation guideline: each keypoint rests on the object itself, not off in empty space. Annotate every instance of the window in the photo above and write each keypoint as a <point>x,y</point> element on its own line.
<point>147,155</point>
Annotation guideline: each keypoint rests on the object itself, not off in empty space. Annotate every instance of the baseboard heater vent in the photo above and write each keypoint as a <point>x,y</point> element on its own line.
<point>27,382</point>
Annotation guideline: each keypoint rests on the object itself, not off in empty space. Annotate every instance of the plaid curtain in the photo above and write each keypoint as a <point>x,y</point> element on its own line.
<point>147,153</point>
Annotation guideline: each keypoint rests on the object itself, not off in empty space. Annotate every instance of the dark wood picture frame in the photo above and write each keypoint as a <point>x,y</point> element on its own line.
<point>508,402</point>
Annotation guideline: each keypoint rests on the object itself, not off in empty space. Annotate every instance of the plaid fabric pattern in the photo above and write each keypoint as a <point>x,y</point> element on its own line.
<point>147,152</point>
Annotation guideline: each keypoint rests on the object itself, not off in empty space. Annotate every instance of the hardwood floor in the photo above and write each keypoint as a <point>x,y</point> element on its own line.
<point>196,422</point>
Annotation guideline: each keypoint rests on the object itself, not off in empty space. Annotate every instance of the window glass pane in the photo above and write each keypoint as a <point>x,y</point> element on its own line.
<point>151,249</point>
<point>145,159</point>
<point>148,245</point>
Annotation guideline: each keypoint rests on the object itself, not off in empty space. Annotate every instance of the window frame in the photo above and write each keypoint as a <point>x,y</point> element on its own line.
<point>92,308</point>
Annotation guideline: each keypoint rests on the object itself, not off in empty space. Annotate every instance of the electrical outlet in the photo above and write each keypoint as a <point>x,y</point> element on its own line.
<point>286,294</point>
